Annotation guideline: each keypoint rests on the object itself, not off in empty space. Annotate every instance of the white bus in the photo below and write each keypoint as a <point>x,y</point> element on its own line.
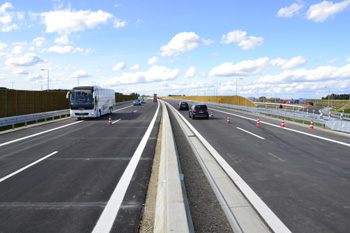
<point>91,101</point>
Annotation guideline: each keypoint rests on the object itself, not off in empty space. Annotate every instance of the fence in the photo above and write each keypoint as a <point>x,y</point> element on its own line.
<point>20,102</point>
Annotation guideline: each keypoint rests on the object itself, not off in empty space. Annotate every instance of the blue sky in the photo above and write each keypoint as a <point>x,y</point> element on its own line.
<point>287,49</point>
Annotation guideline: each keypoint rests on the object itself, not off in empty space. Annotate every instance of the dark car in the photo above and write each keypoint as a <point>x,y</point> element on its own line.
<point>136,102</point>
<point>183,105</point>
<point>199,111</point>
<point>310,103</point>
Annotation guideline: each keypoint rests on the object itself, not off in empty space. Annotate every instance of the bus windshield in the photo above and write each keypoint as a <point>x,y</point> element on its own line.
<point>82,98</point>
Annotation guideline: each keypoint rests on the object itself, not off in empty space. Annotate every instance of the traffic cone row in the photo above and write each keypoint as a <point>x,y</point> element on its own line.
<point>110,120</point>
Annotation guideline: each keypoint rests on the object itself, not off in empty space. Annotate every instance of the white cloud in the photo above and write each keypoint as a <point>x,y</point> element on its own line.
<point>17,50</point>
<point>2,45</point>
<point>80,74</point>
<point>67,21</point>
<point>321,11</point>
<point>333,60</point>
<point>34,77</point>
<point>20,72</point>
<point>5,6</point>
<point>82,51</point>
<point>119,66</point>
<point>322,73</point>
<point>7,18</point>
<point>244,68</point>
<point>348,59</point>
<point>290,11</point>
<point>61,49</point>
<point>135,67</point>
<point>118,23</point>
<point>29,59</point>
<point>182,42</point>
<point>245,42</point>
<point>154,74</point>
<point>190,72</point>
<point>39,41</point>
<point>253,67</point>
<point>152,60</point>
<point>288,64</point>
<point>63,40</point>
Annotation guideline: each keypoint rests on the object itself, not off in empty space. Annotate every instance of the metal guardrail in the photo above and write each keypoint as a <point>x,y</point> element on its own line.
<point>32,117</point>
<point>340,115</point>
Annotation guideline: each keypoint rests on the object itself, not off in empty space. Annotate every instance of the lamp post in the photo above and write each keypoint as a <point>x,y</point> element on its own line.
<point>48,78</point>
<point>237,82</point>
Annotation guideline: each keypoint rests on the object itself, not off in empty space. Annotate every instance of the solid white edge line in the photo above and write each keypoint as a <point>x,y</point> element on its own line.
<point>293,130</point>
<point>33,135</point>
<point>265,212</point>
<point>115,121</point>
<point>250,133</point>
<point>26,167</point>
<point>110,212</point>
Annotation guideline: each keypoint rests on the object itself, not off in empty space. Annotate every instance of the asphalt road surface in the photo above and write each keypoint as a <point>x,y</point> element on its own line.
<point>60,177</point>
<point>303,175</point>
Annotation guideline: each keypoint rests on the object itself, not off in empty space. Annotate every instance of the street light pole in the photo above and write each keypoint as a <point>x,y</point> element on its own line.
<point>48,78</point>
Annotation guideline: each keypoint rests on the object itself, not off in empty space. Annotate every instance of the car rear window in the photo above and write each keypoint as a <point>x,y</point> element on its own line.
<point>201,107</point>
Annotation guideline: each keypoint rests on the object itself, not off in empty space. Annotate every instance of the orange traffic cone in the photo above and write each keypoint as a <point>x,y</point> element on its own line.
<point>282,125</point>
<point>258,123</point>
<point>110,120</point>
<point>132,109</point>
<point>228,119</point>
<point>212,114</point>
<point>311,124</point>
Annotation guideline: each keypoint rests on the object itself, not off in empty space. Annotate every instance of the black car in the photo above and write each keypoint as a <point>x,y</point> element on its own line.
<point>183,105</point>
<point>199,111</point>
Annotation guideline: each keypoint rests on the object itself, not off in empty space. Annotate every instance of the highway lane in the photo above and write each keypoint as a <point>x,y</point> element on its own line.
<point>68,191</point>
<point>303,179</point>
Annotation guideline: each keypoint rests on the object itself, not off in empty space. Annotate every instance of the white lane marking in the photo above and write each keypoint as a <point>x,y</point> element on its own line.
<point>26,167</point>
<point>115,121</point>
<point>109,214</point>
<point>293,130</point>
<point>250,133</point>
<point>33,135</point>
<point>276,157</point>
<point>122,108</point>
<point>265,212</point>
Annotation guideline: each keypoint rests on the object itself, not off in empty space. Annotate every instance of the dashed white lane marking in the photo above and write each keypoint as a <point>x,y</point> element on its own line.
<point>122,108</point>
<point>115,121</point>
<point>110,212</point>
<point>33,135</point>
<point>289,129</point>
<point>250,133</point>
<point>276,157</point>
<point>26,167</point>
